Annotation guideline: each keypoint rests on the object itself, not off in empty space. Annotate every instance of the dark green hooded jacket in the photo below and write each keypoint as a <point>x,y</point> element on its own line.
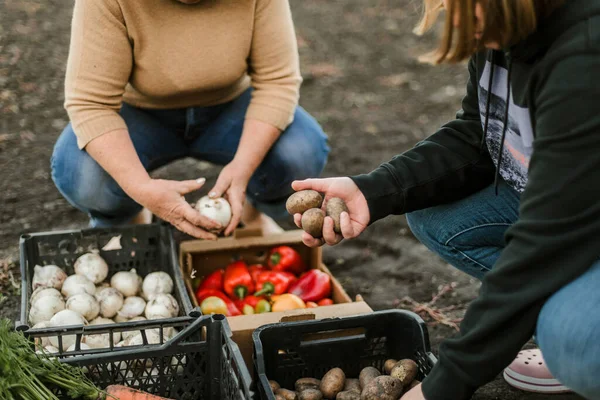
<point>550,153</point>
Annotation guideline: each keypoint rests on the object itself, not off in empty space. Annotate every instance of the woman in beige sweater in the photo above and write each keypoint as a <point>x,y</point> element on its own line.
<point>152,81</point>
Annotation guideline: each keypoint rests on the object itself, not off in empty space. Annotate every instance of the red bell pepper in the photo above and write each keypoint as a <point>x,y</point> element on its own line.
<point>255,270</point>
<point>237,280</point>
<point>315,285</point>
<point>213,281</point>
<point>325,302</point>
<point>249,300</point>
<point>286,259</point>
<point>273,282</point>
<point>231,307</point>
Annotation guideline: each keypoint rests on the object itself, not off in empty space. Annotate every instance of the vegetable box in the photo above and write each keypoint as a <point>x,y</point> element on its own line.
<point>285,352</point>
<point>199,259</point>
<point>145,248</point>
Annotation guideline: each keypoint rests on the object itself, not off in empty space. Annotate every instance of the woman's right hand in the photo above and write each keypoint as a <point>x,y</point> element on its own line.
<point>352,223</point>
<point>166,200</point>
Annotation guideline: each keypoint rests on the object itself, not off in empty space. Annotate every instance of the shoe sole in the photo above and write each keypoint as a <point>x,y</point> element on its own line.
<point>529,384</point>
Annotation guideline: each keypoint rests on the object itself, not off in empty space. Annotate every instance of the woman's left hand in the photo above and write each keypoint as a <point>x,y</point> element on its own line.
<point>415,393</point>
<point>231,184</point>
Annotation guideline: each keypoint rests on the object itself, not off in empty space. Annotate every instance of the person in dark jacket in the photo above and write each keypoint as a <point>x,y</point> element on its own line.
<point>508,192</point>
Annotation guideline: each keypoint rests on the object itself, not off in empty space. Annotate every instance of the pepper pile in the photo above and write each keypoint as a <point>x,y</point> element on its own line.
<point>284,283</point>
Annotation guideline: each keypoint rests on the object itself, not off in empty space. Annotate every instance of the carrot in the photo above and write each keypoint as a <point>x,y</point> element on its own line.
<point>121,392</point>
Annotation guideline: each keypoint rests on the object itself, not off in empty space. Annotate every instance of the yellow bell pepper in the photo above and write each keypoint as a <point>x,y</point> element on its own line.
<point>287,301</point>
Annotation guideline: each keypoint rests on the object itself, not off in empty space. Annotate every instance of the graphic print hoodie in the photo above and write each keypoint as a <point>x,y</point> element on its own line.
<point>545,144</point>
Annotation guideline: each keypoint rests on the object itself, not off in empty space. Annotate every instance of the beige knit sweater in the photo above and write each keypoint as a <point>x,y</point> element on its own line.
<point>164,54</point>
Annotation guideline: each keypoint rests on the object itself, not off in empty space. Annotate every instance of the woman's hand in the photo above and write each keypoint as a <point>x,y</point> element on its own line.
<point>165,199</point>
<point>231,184</point>
<point>352,223</point>
<point>415,393</point>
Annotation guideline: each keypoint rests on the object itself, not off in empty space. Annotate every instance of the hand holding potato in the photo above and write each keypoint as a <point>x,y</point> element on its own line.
<point>351,222</point>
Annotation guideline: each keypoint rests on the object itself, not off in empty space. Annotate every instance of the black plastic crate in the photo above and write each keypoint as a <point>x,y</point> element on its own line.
<point>200,362</point>
<point>146,248</point>
<point>287,351</point>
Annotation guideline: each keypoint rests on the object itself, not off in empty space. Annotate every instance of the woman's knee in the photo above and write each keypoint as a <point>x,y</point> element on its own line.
<point>567,333</point>
<point>426,227</point>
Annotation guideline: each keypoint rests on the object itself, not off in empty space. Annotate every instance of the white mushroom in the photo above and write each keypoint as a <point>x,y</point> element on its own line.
<point>45,308</point>
<point>49,276</point>
<point>111,301</point>
<point>85,304</point>
<point>129,334</point>
<point>92,266</point>
<point>162,306</point>
<point>132,307</point>
<point>76,284</point>
<point>101,340</point>
<point>66,318</point>
<point>42,341</point>
<point>156,283</point>
<point>217,209</point>
<point>42,292</point>
<point>127,282</point>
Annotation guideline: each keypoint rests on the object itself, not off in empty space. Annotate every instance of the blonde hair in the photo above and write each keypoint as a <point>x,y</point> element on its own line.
<point>506,22</point>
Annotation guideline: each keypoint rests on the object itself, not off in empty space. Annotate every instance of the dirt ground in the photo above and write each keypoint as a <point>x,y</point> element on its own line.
<point>362,83</point>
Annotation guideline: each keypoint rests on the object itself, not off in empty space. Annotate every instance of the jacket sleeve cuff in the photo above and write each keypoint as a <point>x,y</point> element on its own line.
<point>443,384</point>
<point>89,130</point>
<point>278,117</point>
<point>383,193</point>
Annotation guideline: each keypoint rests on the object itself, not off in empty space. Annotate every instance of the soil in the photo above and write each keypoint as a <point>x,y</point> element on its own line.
<point>362,83</point>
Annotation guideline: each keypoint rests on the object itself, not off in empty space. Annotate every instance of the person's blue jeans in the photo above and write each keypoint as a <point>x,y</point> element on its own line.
<point>206,133</point>
<point>469,234</point>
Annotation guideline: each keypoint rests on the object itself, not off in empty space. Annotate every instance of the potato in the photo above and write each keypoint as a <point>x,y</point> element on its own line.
<point>335,207</point>
<point>383,387</point>
<point>367,375</point>
<point>405,370</point>
<point>304,200</point>
<point>389,364</point>
<point>307,383</point>
<point>274,386</point>
<point>352,384</point>
<point>287,394</point>
<point>348,395</point>
<point>312,222</point>
<point>333,383</point>
<point>310,394</point>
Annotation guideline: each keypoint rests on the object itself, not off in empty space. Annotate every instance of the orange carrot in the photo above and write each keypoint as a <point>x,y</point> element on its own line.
<point>121,392</point>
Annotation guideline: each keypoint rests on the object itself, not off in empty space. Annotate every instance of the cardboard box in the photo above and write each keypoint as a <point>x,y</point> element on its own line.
<point>206,256</point>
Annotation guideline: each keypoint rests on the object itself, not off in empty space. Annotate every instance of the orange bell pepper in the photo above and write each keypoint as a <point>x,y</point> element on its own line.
<point>286,302</point>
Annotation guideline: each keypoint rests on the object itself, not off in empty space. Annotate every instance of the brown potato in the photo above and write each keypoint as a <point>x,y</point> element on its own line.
<point>352,384</point>
<point>274,385</point>
<point>301,201</point>
<point>333,383</point>
<point>389,364</point>
<point>310,394</point>
<point>405,370</point>
<point>307,383</point>
<point>383,387</point>
<point>367,375</point>
<point>348,395</point>
<point>335,207</point>
<point>287,394</point>
<point>312,222</point>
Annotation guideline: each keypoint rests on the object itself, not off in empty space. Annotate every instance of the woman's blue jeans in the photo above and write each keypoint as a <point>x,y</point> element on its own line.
<point>206,133</point>
<point>469,234</point>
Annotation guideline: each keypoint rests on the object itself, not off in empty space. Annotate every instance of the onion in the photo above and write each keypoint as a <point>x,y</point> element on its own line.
<point>162,306</point>
<point>66,318</point>
<point>132,307</point>
<point>43,292</point>
<point>111,301</point>
<point>76,284</point>
<point>84,304</point>
<point>127,283</point>
<point>49,276</point>
<point>92,266</point>
<point>216,209</point>
<point>156,283</point>
<point>44,310</point>
<point>101,340</point>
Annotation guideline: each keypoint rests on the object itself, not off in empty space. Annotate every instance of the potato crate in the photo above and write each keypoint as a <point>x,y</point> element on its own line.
<point>147,248</point>
<point>199,362</point>
<point>287,351</point>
